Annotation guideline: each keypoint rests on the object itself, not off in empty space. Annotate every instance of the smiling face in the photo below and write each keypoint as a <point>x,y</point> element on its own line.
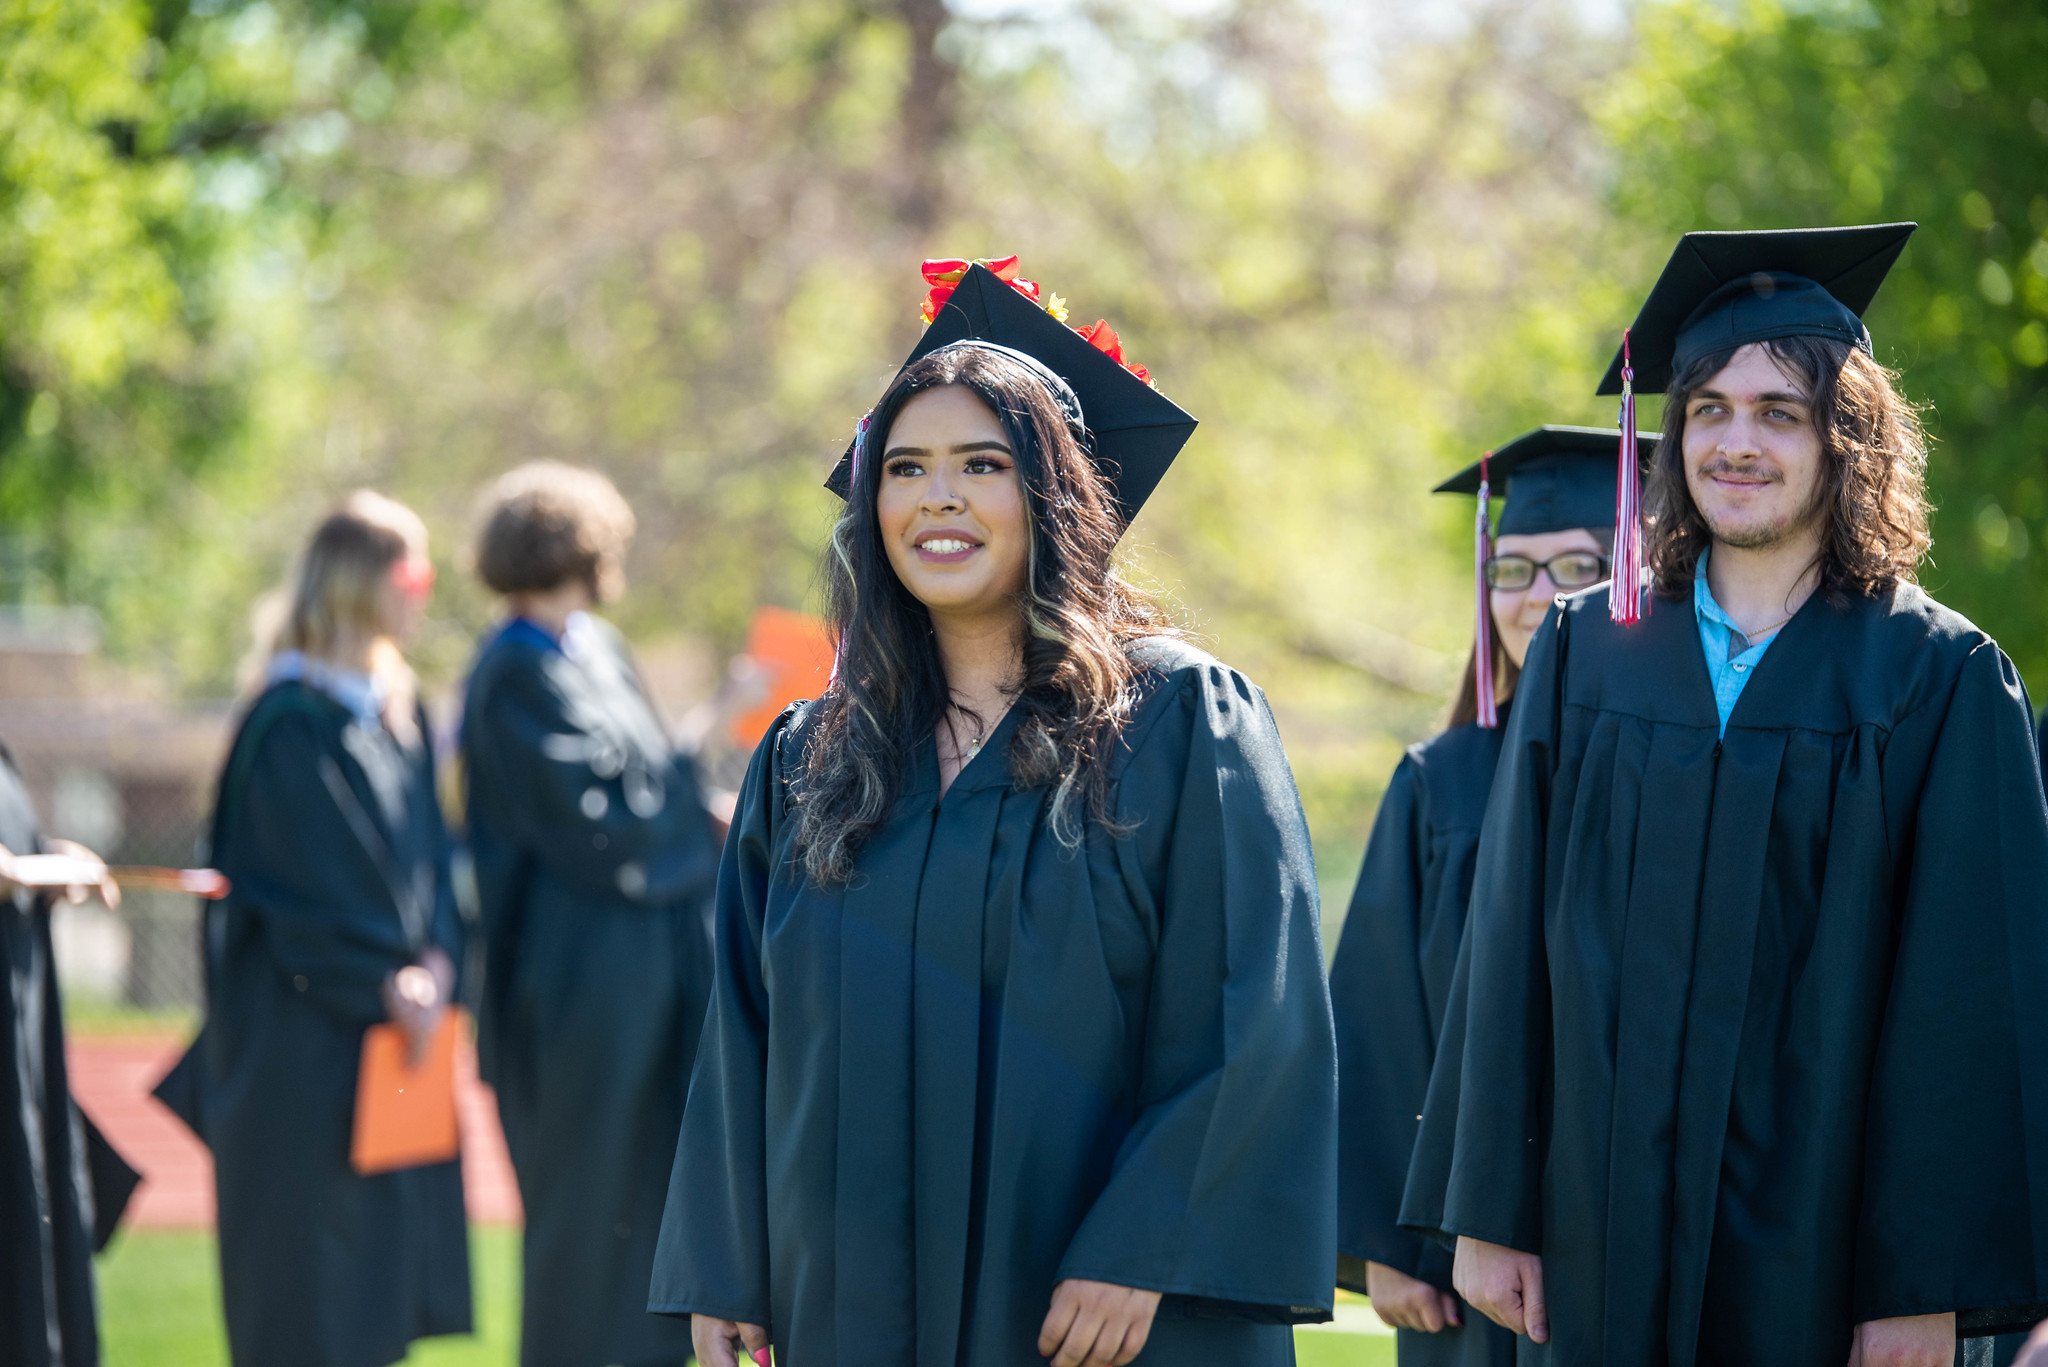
<point>1518,612</point>
<point>951,505</point>
<point>1752,452</point>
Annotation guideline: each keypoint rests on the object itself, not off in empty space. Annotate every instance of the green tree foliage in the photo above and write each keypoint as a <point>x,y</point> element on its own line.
<point>1768,115</point>
<point>680,242</point>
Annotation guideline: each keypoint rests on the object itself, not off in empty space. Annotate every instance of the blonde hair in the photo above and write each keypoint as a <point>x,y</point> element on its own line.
<point>339,589</point>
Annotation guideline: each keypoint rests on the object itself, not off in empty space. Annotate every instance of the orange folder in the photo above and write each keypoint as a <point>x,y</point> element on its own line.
<point>794,652</point>
<point>405,1116</point>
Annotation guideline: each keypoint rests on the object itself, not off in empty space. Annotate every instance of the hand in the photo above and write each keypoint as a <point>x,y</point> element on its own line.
<point>1407,1302</point>
<point>1096,1324</point>
<point>2034,1352</point>
<point>414,997</point>
<point>713,1340</point>
<point>1504,1284</point>
<point>105,887</point>
<point>1908,1341</point>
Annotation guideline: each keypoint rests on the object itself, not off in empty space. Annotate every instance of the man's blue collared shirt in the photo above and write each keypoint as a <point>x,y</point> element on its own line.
<point>1718,635</point>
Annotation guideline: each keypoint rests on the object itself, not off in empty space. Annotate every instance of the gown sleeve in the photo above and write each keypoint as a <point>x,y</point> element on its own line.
<point>330,919</point>
<point>580,824</point>
<point>1955,1188</point>
<point>1478,1163</point>
<point>1220,1192</point>
<point>447,928</point>
<point>1383,1038</point>
<point>712,1255</point>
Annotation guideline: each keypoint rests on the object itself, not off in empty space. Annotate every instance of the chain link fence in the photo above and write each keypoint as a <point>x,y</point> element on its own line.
<point>124,773</point>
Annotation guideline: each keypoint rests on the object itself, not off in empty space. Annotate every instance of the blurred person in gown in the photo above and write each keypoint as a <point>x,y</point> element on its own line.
<point>595,858</point>
<point>341,914</point>
<point>1019,1046</point>
<point>56,1203</point>
<point>1392,971</point>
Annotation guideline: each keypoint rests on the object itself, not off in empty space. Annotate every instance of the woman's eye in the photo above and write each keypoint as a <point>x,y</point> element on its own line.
<point>1706,410</point>
<point>905,469</point>
<point>983,465</point>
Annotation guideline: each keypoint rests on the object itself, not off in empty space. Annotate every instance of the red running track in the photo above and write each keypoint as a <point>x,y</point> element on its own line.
<point>111,1078</point>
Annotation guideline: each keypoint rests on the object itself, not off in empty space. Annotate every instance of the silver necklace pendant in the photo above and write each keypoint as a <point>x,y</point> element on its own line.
<point>974,747</point>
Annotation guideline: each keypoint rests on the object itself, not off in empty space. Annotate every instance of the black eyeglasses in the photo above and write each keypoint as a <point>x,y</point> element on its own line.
<point>1570,570</point>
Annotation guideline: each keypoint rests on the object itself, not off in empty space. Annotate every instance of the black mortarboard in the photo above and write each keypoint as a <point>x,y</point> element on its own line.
<point>1722,290</point>
<point>1552,479</point>
<point>1136,431</point>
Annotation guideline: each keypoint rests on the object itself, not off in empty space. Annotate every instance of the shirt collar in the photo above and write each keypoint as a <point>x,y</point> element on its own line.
<point>1703,604</point>
<point>361,694</point>
<point>579,640</point>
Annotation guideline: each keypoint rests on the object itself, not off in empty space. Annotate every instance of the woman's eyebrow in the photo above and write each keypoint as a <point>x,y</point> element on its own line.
<point>963,449</point>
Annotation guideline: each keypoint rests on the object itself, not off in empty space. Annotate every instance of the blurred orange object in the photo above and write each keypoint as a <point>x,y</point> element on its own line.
<point>793,654</point>
<point>405,1116</point>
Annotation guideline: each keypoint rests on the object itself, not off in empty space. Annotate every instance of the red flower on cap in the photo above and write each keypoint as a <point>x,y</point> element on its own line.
<point>944,274</point>
<point>1104,339</point>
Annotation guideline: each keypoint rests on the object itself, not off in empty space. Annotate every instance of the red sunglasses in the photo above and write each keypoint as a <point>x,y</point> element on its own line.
<point>414,576</point>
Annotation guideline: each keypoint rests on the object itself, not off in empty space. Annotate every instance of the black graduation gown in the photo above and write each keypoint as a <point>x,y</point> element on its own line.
<point>1388,985</point>
<point>595,864</point>
<point>993,1062</point>
<point>331,836</point>
<point>1751,1041</point>
<point>46,1204</point>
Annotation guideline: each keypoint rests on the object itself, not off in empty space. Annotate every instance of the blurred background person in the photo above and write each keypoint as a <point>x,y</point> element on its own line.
<point>341,915</point>
<point>53,1212</point>
<point>1392,971</point>
<point>595,861</point>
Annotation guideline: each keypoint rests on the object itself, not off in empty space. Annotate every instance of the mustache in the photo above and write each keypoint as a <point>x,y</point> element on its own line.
<point>1723,466</point>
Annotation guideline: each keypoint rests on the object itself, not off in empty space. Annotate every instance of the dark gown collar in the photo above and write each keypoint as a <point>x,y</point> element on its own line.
<point>1657,669</point>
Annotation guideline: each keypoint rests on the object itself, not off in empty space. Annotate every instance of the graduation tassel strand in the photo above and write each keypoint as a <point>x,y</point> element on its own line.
<point>1624,595</point>
<point>1482,636</point>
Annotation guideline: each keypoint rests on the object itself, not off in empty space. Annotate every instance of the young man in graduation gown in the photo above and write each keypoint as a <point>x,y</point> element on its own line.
<point>1392,971</point>
<point>595,859</point>
<point>1747,1059</point>
<point>57,1206</point>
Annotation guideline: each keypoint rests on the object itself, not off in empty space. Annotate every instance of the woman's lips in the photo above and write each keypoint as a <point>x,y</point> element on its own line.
<point>945,550</point>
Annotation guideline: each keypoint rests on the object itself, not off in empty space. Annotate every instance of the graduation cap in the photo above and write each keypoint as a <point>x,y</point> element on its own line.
<point>1134,431</point>
<point>1720,291</point>
<point>1552,480</point>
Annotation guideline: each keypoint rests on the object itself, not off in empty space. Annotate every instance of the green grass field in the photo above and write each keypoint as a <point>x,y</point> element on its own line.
<point>160,1307</point>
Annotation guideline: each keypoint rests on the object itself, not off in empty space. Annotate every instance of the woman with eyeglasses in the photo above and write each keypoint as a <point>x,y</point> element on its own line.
<point>1392,971</point>
<point>342,916</point>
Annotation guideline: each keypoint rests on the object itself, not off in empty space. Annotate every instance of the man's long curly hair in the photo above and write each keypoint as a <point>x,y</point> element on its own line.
<point>1078,619</point>
<point>1873,488</point>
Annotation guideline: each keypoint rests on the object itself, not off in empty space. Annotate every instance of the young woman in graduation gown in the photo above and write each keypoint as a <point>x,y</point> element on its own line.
<point>341,915</point>
<point>595,860</point>
<point>56,1208</point>
<point>1392,971</point>
<point>1019,1046</point>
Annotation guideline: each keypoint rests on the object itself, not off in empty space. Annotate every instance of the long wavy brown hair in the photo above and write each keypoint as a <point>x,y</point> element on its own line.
<point>1873,489</point>
<point>1078,619</point>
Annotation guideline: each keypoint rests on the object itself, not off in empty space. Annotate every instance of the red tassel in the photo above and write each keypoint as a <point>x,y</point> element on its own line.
<point>1624,593</point>
<point>1482,635</point>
